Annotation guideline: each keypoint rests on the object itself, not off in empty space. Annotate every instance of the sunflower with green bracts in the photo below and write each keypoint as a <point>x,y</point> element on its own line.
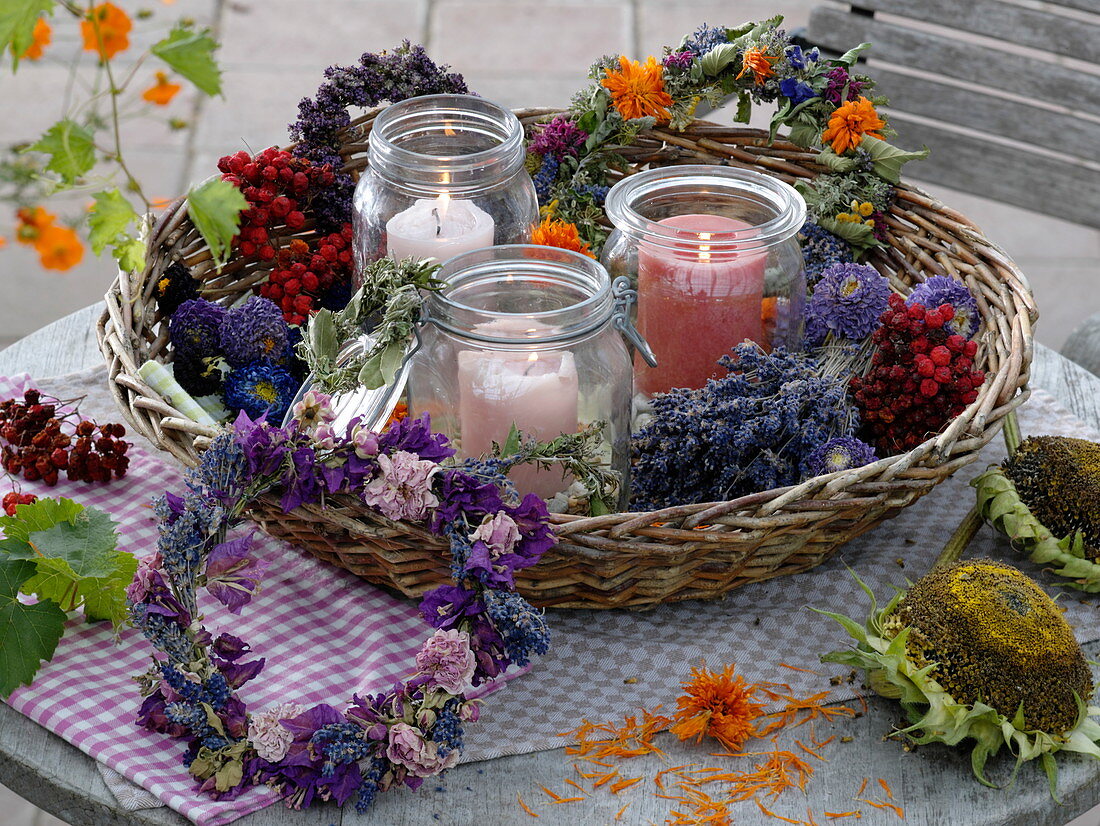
<point>976,650</point>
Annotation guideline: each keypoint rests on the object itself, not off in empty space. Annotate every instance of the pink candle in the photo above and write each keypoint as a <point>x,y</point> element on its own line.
<point>696,301</point>
<point>538,391</point>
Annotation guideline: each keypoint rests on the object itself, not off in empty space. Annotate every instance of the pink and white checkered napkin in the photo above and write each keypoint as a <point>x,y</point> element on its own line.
<point>326,635</point>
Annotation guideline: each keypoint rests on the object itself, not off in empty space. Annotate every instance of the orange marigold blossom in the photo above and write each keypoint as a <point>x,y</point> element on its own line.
<point>59,248</point>
<point>161,92</point>
<point>106,29</point>
<point>638,89</point>
<point>850,122</point>
<point>32,221</point>
<point>42,34</point>
<point>759,63</point>
<point>720,705</point>
<point>554,233</point>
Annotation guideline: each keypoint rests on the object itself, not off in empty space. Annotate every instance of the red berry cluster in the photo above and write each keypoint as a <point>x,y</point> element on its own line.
<point>13,500</point>
<point>921,377</point>
<point>303,273</point>
<point>277,186</point>
<point>38,448</point>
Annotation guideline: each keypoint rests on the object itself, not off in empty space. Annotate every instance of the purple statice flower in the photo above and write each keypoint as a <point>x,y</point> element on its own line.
<point>943,289</point>
<point>679,60</point>
<point>797,90</point>
<point>415,436</point>
<point>821,249</point>
<point>447,660</point>
<point>561,138</point>
<point>838,77</point>
<point>798,59</point>
<point>193,328</point>
<point>705,38</point>
<point>403,489</point>
<point>253,331</point>
<point>841,453</point>
<point>260,389</point>
<point>232,576</point>
<point>446,606</point>
<point>268,735</point>
<point>849,299</point>
<point>409,747</point>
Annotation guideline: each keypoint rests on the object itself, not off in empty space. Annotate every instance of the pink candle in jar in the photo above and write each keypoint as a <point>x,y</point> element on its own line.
<point>696,301</point>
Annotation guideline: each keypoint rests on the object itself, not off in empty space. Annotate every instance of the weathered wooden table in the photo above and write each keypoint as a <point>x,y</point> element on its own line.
<point>60,779</point>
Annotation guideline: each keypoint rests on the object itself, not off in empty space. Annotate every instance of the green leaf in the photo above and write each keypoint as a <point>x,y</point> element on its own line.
<point>718,58</point>
<point>70,147</point>
<point>38,516</point>
<point>105,598</point>
<point>744,108</point>
<point>803,134</point>
<point>888,160</point>
<point>835,162</point>
<point>512,443</point>
<point>28,633</point>
<point>87,543</point>
<point>857,234</point>
<point>215,209</point>
<point>109,217</point>
<point>130,253</point>
<point>393,356</point>
<point>17,21</point>
<point>852,55</point>
<point>370,374</point>
<point>191,54</point>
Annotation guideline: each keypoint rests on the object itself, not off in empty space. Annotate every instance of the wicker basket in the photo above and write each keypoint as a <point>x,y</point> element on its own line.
<point>630,560</point>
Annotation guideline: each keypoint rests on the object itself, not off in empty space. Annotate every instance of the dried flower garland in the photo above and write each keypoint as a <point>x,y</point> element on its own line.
<point>397,737</point>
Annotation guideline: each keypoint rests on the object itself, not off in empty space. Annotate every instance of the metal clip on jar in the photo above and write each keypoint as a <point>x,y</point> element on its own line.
<point>526,335</point>
<point>713,254</point>
<point>445,175</point>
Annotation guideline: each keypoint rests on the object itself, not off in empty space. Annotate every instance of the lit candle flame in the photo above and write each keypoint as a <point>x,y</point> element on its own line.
<point>704,249</point>
<point>531,359</point>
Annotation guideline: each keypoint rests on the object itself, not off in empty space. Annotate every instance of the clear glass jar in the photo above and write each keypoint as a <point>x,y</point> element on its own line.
<point>713,254</point>
<point>527,335</point>
<point>445,175</point>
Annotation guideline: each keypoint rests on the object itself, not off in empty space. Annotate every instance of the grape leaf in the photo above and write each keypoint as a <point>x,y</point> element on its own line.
<point>70,147</point>
<point>130,253</point>
<point>190,53</point>
<point>215,208</point>
<point>37,516</point>
<point>109,217</point>
<point>86,542</point>
<point>17,20</point>
<point>28,633</point>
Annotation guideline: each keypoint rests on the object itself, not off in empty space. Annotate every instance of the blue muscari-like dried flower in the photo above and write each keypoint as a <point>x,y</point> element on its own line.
<point>849,299</point>
<point>748,431</point>
<point>222,469</point>
<point>253,331</point>
<point>165,635</point>
<point>842,453</point>
<point>339,744</point>
<point>193,328</point>
<point>597,192</point>
<point>371,780</point>
<point>185,525</point>
<point>705,38</point>
<point>545,177</point>
<point>943,289</point>
<point>821,249</point>
<point>522,628</point>
<point>448,731</point>
<point>259,389</point>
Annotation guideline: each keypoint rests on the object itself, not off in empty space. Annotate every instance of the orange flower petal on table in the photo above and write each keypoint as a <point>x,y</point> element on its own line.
<point>42,35</point>
<point>161,92</point>
<point>59,248</point>
<point>719,705</point>
<point>554,233</point>
<point>32,221</point>
<point>113,25</point>
<point>3,242</point>
<point>757,62</point>
<point>638,89</point>
<point>850,122</point>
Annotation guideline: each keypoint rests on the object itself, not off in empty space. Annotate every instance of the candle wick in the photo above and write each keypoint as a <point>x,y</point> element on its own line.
<point>527,370</point>
<point>438,223</point>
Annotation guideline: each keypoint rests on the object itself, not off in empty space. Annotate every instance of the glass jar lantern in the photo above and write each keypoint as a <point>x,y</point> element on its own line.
<point>713,254</point>
<point>526,335</point>
<point>445,175</point>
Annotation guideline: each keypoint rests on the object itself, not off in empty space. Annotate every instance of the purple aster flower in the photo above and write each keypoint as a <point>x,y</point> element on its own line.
<point>415,436</point>
<point>834,89</point>
<point>193,328</point>
<point>232,576</point>
<point>253,331</point>
<point>260,389</point>
<point>841,453</point>
<point>798,91</point>
<point>445,606</point>
<point>679,60</point>
<point>447,660</point>
<point>849,299</point>
<point>560,138</point>
<point>942,289</point>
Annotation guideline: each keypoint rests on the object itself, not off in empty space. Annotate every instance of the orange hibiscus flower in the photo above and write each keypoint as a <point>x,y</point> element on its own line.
<point>42,34</point>
<point>850,122</point>
<point>719,705</point>
<point>32,221</point>
<point>638,89</point>
<point>59,248</point>
<point>161,92</point>
<point>757,62</point>
<point>554,233</point>
<point>106,29</point>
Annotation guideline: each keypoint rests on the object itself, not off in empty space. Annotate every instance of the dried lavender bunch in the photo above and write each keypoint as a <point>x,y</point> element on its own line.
<point>751,430</point>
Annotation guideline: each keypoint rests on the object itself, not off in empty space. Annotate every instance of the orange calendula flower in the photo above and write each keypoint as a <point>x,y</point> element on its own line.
<point>757,62</point>
<point>59,248</point>
<point>3,242</point>
<point>718,705</point>
<point>32,221</point>
<point>42,34</point>
<point>638,89</point>
<point>161,92</point>
<point>554,233</point>
<point>850,122</point>
<point>106,29</point>
<point>400,411</point>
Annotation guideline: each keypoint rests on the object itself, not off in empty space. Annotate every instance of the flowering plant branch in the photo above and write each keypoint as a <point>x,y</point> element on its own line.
<point>415,730</point>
